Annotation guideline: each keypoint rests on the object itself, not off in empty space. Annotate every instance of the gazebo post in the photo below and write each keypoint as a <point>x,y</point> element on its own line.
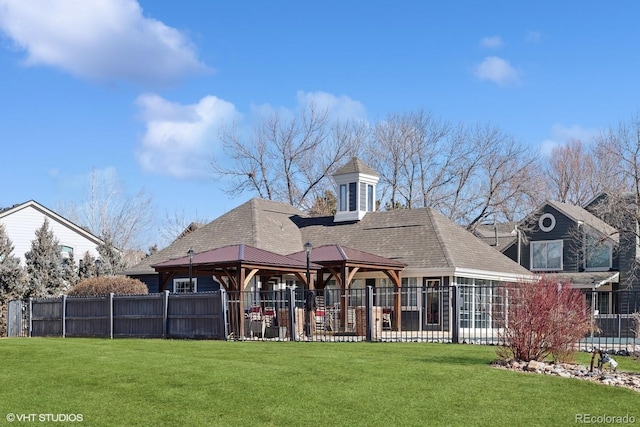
<point>240,282</point>
<point>344,301</point>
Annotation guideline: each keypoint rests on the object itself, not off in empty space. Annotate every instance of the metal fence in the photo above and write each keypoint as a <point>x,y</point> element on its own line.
<point>449,314</point>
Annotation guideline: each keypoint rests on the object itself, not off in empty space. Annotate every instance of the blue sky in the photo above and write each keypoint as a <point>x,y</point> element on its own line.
<point>139,89</point>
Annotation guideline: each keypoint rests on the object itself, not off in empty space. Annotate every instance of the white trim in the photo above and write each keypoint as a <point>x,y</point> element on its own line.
<point>546,242</point>
<point>185,280</point>
<point>541,225</point>
<point>54,216</point>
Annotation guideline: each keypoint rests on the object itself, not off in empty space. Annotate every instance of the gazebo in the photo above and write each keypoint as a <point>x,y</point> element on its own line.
<point>234,266</point>
<point>342,264</point>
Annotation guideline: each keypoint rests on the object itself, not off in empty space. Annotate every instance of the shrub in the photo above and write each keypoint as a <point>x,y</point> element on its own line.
<point>542,319</point>
<point>104,285</point>
<point>636,324</point>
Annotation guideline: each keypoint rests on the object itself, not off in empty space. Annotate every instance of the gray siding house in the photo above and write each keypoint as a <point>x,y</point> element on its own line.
<point>569,243</point>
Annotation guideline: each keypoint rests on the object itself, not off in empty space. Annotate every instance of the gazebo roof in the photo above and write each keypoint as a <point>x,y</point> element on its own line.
<point>338,254</point>
<point>233,255</point>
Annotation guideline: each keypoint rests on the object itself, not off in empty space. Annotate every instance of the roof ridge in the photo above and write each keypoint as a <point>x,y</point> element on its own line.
<point>254,221</point>
<point>436,229</point>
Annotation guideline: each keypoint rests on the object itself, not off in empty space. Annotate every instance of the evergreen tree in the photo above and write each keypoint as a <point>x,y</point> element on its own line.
<point>111,261</point>
<point>44,265</point>
<point>87,267</point>
<point>70,272</point>
<point>12,277</point>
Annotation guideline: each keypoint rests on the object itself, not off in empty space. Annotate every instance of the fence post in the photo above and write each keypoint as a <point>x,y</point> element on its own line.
<point>224,312</point>
<point>291,302</point>
<point>455,318</point>
<point>371,322</point>
<point>30,316</point>
<point>64,316</point>
<point>111,315</point>
<point>165,313</point>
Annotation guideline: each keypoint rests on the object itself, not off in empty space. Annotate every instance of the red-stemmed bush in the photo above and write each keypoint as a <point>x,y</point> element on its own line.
<point>104,285</point>
<point>542,319</point>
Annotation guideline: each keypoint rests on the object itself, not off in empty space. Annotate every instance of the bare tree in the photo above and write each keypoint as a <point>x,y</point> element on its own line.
<point>109,212</point>
<point>413,152</point>
<point>288,159</point>
<point>176,225</point>
<point>570,170</point>
<point>502,180</point>
<point>619,205</point>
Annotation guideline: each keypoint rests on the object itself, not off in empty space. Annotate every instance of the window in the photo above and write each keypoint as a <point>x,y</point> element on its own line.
<point>181,286</point>
<point>409,292</point>
<point>352,196</point>
<point>356,292</point>
<point>384,293</point>
<point>332,294</point>
<point>477,296</point>
<point>66,251</point>
<point>348,197</point>
<point>546,255</point>
<point>597,254</point>
<point>343,198</point>
<point>433,300</point>
<point>370,207</point>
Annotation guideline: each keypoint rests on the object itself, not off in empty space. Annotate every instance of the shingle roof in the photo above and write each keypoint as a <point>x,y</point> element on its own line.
<point>263,224</point>
<point>337,253</point>
<point>420,238</point>
<point>355,165</point>
<point>580,214</point>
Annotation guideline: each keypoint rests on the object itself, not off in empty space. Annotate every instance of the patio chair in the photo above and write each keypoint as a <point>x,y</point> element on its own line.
<point>320,313</point>
<point>269,316</point>
<point>256,321</point>
<point>386,318</point>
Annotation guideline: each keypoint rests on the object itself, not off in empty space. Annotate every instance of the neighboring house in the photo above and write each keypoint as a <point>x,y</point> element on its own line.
<point>21,222</point>
<point>569,243</point>
<point>499,235</point>
<point>437,253</point>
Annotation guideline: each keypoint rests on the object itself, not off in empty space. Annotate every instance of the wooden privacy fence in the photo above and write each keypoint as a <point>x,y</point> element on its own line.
<point>165,315</point>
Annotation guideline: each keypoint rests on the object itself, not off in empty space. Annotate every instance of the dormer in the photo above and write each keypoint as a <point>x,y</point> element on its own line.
<point>356,183</point>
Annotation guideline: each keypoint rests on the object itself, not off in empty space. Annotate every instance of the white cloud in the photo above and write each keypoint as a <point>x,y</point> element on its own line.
<point>492,42</point>
<point>497,70</point>
<point>101,40</point>
<point>340,107</point>
<point>180,139</point>
<point>561,135</point>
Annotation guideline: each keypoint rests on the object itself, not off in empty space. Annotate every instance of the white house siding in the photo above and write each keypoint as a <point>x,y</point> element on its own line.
<point>22,224</point>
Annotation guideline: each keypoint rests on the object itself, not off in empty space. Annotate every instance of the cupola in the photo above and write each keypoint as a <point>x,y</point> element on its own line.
<point>356,185</point>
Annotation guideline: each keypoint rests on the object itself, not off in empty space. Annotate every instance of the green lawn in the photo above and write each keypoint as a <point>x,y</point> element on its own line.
<point>190,383</point>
